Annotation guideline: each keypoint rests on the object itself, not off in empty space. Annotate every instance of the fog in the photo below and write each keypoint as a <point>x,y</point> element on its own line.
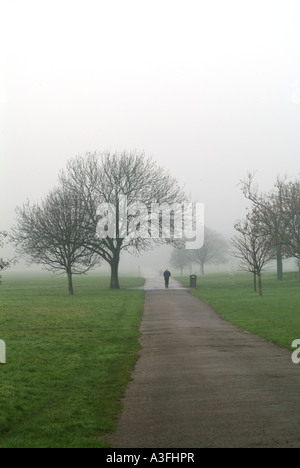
<point>210,90</point>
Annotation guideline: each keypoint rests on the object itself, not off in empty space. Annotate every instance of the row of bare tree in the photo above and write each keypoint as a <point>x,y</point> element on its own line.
<point>270,231</point>
<point>271,228</point>
<point>214,251</point>
<point>60,232</point>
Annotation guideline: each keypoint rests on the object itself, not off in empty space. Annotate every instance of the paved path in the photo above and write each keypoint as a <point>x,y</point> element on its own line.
<point>201,382</point>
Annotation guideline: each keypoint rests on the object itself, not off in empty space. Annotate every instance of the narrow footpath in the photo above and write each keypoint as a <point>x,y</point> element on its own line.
<point>202,382</point>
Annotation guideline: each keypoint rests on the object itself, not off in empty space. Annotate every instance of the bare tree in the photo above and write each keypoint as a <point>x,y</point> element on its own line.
<point>290,213</point>
<point>180,257</point>
<point>270,207</point>
<point>4,264</point>
<point>106,179</point>
<point>52,234</point>
<point>279,213</point>
<point>213,251</point>
<point>252,247</point>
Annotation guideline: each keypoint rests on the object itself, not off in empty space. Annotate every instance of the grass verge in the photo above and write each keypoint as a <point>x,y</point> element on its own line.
<point>69,359</point>
<point>275,316</point>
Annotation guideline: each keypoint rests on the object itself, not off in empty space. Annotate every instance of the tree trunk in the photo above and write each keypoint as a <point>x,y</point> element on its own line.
<point>279,262</point>
<point>70,283</point>
<point>254,282</point>
<point>259,284</point>
<point>202,269</point>
<point>114,277</point>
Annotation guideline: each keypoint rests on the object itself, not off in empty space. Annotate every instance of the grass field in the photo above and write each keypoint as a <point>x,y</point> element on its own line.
<point>69,359</point>
<point>275,316</point>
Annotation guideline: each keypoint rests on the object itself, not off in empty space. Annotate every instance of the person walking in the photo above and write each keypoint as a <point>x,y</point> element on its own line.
<point>167,275</point>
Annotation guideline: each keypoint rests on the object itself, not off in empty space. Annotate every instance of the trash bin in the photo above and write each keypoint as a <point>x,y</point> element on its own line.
<point>193,281</point>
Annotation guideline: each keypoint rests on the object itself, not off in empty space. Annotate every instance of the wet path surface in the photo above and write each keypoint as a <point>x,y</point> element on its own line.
<point>201,382</point>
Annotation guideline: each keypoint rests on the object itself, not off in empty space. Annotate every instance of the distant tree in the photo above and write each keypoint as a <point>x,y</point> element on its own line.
<point>290,213</point>
<point>52,233</point>
<point>4,264</point>
<point>213,251</point>
<point>107,178</point>
<point>252,247</point>
<point>272,211</point>
<point>180,257</point>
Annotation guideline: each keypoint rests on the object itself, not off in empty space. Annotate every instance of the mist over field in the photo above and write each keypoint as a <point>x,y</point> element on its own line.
<point>210,90</point>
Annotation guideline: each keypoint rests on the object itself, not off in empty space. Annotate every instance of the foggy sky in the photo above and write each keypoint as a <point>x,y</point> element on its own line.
<point>209,89</point>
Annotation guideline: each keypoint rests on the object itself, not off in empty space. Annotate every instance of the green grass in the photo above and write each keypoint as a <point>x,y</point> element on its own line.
<point>275,316</point>
<point>69,359</point>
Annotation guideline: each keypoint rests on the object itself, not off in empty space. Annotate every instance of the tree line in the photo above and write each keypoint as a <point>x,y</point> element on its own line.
<point>269,232</point>
<point>60,232</point>
<point>214,251</point>
<point>271,228</point>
